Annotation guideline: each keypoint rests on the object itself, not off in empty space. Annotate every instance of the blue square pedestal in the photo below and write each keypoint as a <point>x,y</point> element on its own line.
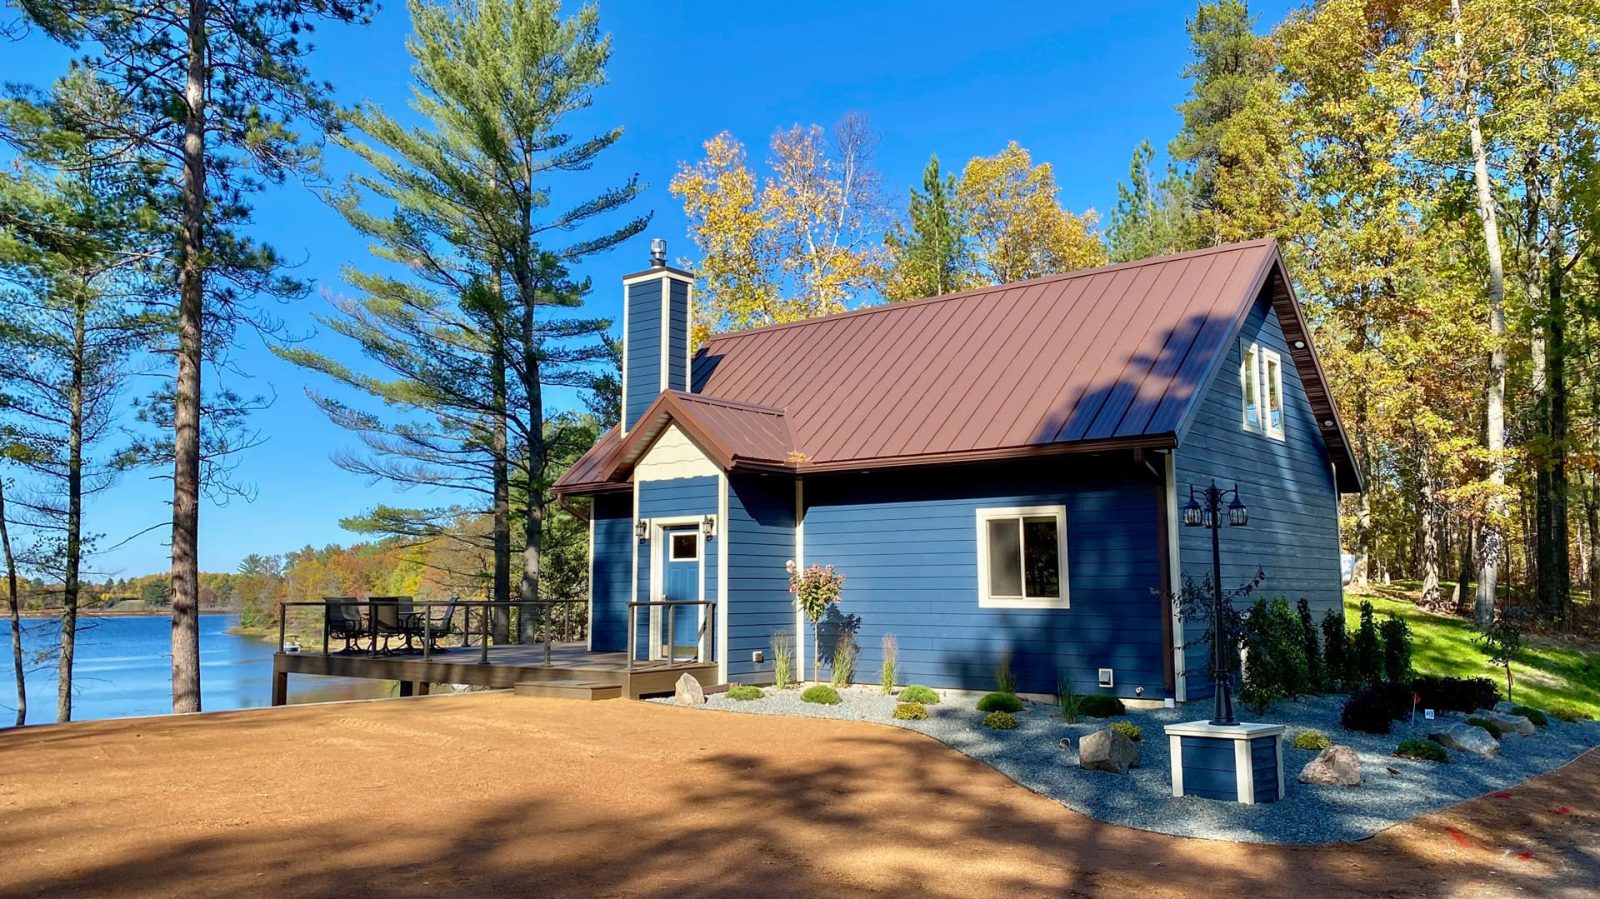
<point>1237,763</point>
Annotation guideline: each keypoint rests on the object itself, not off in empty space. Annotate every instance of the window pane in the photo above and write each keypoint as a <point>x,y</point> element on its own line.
<point>1252,381</point>
<point>1041,552</point>
<point>1274,393</point>
<point>1005,558</point>
<point>685,548</point>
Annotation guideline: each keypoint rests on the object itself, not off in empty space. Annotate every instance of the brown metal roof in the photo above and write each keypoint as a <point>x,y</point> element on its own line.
<point>1108,357</point>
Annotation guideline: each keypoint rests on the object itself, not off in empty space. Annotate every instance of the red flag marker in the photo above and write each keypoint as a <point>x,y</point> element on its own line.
<point>1503,794</point>
<point>1463,841</point>
<point>1563,810</point>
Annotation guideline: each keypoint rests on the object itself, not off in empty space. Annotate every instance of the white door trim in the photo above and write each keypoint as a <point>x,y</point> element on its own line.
<point>658,558</point>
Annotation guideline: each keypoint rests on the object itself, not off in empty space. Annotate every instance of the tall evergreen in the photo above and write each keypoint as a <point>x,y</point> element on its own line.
<point>1227,65</point>
<point>930,257</point>
<point>1152,218</point>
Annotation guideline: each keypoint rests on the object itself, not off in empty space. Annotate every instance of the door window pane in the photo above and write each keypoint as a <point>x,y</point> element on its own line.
<point>1041,557</point>
<point>685,547</point>
<point>1005,558</point>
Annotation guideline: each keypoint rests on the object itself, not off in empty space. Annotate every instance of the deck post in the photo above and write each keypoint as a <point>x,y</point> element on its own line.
<point>280,687</point>
<point>283,621</point>
<point>483,619</point>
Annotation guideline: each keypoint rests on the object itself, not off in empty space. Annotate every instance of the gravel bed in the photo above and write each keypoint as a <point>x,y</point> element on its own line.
<point>1393,789</point>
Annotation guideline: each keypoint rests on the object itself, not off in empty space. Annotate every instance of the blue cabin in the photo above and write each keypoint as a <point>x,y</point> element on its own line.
<point>997,473</point>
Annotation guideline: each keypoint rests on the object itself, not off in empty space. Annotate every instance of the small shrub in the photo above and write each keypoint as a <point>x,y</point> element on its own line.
<point>1398,697</point>
<point>910,711</point>
<point>1456,694</point>
<point>919,694</point>
<point>1070,703</point>
<point>1501,641</point>
<point>1099,705</point>
<point>999,702</point>
<point>1396,636</point>
<point>1316,673</point>
<point>1366,650</point>
<point>844,662</point>
<point>1334,667</point>
<point>1000,721</point>
<point>1486,724</point>
<point>1314,740</point>
<point>1535,717</point>
<point>1128,729</point>
<point>1367,711</point>
<point>1275,647</point>
<point>1566,713</point>
<point>821,694</point>
<point>745,692</point>
<point>782,661</point>
<point>1425,750</point>
<point>891,654</point>
<point>1005,681</point>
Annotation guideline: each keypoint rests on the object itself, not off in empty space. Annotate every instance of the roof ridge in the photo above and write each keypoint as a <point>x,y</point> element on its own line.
<point>730,404</point>
<point>979,291</point>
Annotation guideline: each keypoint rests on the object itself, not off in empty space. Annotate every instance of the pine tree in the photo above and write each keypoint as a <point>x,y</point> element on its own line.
<point>929,257</point>
<point>1227,66</point>
<point>1152,218</point>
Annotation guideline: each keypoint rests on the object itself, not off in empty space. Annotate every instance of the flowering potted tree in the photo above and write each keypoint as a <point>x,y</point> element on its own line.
<point>814,589</point>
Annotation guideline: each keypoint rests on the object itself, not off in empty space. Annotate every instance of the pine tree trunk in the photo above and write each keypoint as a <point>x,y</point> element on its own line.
<point>1431,598</point>
<point>74,535</point>
<point>1557,572</point>
<point>1360,570</point>
<point>186,415</point>
<point>502,495</point>
<point>14,607</point>
<point>1494,440</point>
<point>533,525</point>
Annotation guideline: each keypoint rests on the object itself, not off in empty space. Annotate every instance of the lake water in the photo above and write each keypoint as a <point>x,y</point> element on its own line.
<point>124,667</point>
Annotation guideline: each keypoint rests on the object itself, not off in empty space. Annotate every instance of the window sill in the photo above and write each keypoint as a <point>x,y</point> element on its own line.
<point>985,602</point>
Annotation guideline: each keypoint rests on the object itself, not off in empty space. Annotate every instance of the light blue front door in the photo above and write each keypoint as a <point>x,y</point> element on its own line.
<point>681,581</point>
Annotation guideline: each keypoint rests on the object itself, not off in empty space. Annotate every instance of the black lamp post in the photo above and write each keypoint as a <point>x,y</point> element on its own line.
<point>1209,515</point>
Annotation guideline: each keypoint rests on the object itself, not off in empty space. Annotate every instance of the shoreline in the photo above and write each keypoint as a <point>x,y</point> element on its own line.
<point>112,613</point>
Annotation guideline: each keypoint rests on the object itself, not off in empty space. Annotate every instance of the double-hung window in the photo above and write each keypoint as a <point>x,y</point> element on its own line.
<point>1261,383</point>
<point>1250,384</point>
<point>1272,375</point>
<point>1022,557</point>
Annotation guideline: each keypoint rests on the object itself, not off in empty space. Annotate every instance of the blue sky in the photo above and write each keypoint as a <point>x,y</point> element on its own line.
<point>1078,84</point>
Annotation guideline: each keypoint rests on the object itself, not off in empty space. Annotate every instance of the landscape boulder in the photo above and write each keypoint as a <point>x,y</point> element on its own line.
<point>1336,766</point>
<point>1509,723</point>
<point>1467,738</point>
<point>689,691</point>
<point>1108,750</point>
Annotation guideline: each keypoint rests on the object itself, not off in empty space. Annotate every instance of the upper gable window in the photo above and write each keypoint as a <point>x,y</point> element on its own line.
<point>1272,373</point>
<point>1261,383</point>
<point>1250,383</point>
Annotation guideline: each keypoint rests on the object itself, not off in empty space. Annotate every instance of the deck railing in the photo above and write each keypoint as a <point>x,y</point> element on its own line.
<point>545,621</point>
<point>669,611</point>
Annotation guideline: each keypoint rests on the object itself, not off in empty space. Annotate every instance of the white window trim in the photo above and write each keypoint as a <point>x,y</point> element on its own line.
<point>985,601</point>
<point>1250,376</point>
<point>1272,382</point>
<point>672,546</point>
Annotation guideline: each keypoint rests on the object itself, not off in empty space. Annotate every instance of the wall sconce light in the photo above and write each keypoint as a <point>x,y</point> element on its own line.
<point>641,528</point>
<point>709,525</point>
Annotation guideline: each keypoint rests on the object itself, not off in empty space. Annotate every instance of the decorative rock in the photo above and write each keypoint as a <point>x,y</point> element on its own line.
<point>688,691</point>
<point>1509,723</point>
<point>1107,750</point>
<point>1467,738</point>
<point>1336,766</point>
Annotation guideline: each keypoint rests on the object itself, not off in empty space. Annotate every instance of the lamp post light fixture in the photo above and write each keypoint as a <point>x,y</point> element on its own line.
<point>1206,511</point>
<point>708,525</point>
<point>641,528</point>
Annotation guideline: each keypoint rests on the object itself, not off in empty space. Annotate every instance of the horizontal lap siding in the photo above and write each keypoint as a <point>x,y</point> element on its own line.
<point>1293,534</point>
<point>1210,768</point>
<point>907,545</point>
<point>642,347</point>
<point>760,531</point>
<point>1264,768</point>
<point>678,338</point>
<point>611,568</point>
<point>677,498</point>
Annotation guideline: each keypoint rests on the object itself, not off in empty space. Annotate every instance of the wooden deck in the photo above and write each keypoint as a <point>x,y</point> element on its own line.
<point>570,663</point>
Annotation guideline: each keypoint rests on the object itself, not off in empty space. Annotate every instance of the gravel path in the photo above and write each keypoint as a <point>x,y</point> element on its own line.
<point>1394,789</point>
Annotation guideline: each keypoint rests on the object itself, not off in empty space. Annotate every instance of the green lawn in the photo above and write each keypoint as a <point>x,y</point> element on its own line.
<point>1550,673</point>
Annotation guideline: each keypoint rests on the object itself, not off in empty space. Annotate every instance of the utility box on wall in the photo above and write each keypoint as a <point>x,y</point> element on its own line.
<point>1235,763</point>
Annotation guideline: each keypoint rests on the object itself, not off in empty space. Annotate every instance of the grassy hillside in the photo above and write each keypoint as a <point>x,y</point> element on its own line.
<point>1550,673</point>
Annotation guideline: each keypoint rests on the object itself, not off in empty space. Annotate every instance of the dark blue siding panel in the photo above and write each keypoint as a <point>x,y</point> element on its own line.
<point>675,499</point>
<point>678,337</point>
<point>1209,768</point>
<point>1264,765</point>
<point>1288,486</point>
<point>612,567</point>
<point>642,349</point>
<point>760,531</point>
<point>906,542</point>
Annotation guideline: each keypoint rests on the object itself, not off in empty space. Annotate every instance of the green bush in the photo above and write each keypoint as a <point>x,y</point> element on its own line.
<point>910,711</point>
<point>1535,716</point>
<point>1366,651</point>
<point>1486,724</point>
<point>782,660</point>
<point>1070,703</point>
<point>920,694</point>
<point>1004,680</point>
<point>1396,636</point>
<point>1565,713</point>
<point>1275,646</point>
<point>999,702</point>
<point>1335,668</point>
<point>1368,711</point>
<point>821,694</point>
<point>1316,675</point>
<point>1314,740</point>
<point>1099,705</point>
<point>844,662</point>
<point>1456,694</point>
<point>1426,750</point>
<point>1128,729</point>
<point>1000,721</point>
<point>744,692</point>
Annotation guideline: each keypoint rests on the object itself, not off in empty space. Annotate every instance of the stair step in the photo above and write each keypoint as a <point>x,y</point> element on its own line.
<point>568,689</point>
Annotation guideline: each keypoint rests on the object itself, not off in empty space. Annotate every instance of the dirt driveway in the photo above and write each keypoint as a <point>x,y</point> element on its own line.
<point>494,795</point>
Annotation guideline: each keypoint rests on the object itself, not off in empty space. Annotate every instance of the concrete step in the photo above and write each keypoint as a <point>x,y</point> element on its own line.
<point>587,691</point>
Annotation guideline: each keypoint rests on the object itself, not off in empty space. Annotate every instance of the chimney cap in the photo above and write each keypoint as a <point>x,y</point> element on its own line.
<point>658,253</point>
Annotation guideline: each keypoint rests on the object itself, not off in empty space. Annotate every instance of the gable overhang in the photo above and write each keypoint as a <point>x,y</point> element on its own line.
<point>1273,277</point>
<point>665,412</point>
